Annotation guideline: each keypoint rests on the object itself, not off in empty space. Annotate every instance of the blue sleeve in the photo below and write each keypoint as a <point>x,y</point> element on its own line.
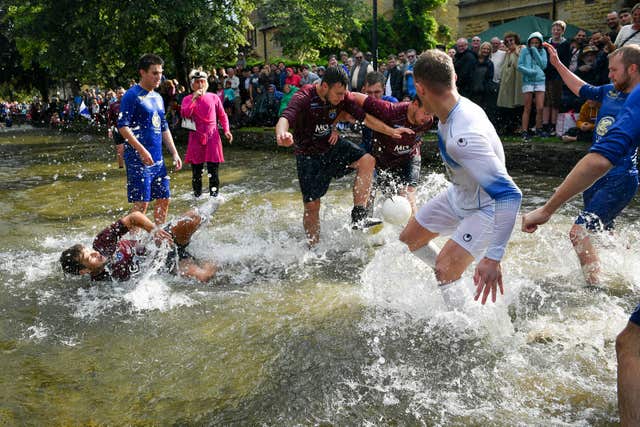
<point>480,161</point>
<point>624,135</point>
<point>595,93</point>
<point>127,109</point>
<point>522,66</point>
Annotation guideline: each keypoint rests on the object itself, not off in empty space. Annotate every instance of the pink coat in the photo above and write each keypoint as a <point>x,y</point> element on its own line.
<point>204,143</point>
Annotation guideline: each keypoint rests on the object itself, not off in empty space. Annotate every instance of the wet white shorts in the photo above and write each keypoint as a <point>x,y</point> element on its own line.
<point>470,229</point>
<point>533,87</point>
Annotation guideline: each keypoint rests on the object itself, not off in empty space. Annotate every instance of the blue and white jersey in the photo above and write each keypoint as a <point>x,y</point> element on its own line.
<point>612,103</point>
<point>624,135</point>
<point>473,155</point>
<point>143,113</point>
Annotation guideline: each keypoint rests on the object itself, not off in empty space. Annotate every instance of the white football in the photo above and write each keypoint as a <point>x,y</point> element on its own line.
<point>396,210</point>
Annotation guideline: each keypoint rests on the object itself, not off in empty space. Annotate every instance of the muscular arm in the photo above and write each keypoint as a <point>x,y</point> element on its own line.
<point>573,82</point>
<point>138,219</point>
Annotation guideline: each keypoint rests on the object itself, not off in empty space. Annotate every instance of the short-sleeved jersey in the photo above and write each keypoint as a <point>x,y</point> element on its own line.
<point>143,113</point>
<point>612,103</point>
<point>391,152</point>
<point>624,136</point>
<point>473,155</point>
<point>122,254</point>
<point>311,119</point>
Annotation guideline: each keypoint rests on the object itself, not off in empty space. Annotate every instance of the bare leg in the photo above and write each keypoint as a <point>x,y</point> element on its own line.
<point>587,254</point>
<point>628,353</point>
<point>554,116</point>
<point>452,261</point>
<point>120,154</point>
<point>539,109</point>
<point>362,184</point>
<point>546,114</point>
<point>186,226</point>
<point>416,236</point>
<point>311,221</point>
<point>160,211</point>
<point>527,99</point>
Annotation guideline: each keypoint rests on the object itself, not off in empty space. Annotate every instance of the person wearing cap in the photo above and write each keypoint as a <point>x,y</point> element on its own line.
<point>143,125</point>
<point>205,146</point>
<point>587,64</point>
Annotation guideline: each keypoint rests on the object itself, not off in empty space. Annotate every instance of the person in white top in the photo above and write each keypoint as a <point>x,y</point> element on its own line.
<point>479,208</point>
<point>497,57</point>
<point>630,34</point>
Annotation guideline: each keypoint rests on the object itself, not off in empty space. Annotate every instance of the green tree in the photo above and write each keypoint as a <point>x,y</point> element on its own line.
<point>304,27</point>
<point>99,41</point>
<point>412,26</point>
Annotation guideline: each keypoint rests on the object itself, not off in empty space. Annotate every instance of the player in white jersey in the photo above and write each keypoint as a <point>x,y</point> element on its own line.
<point>479,208</point>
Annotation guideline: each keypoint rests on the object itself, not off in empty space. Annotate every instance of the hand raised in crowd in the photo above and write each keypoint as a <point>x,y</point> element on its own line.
<point>197,94</point>
<point>553,54</point>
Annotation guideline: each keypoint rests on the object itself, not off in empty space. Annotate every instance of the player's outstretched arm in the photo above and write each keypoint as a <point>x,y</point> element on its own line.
<point>138,219</point>
<point>587,171</point>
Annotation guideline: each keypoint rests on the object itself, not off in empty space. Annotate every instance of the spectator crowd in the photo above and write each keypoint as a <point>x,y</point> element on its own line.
<point>510,78</point>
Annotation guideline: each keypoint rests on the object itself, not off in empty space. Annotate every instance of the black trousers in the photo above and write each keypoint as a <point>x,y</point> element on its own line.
<point>196,179</point>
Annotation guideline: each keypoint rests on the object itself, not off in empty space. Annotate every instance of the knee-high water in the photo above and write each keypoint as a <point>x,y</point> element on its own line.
<point>353,332</point>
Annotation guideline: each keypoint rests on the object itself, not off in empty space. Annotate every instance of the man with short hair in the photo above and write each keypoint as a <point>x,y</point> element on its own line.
<point>479,208</point>
<point>605,199</point>
<point>476,41</point>
<point>625,16</point>
<point>613,23</point>
<point>114,258</point>
<point>621,139</point>
<point>308,76</point>
<point>465,63</point>
<point>393,86</point>
<point>311,113</point>
<point>359,71</point>
<point>630,34</point>
<point>553,82</point>
<point>143,125</point>
<point>398,159</point>
<point>497,57</point>
<point>408,86</point>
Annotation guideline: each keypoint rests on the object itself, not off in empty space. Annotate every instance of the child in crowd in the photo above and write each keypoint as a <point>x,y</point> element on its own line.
<point>585,124</point>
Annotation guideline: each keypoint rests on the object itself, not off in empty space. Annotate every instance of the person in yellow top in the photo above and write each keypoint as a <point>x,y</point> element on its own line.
<point>585,123</point>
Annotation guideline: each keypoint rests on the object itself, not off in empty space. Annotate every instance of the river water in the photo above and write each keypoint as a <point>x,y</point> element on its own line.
<point>351,333</point>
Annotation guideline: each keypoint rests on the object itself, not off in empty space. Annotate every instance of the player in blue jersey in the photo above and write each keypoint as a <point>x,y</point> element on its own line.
<point>142,124</point>
<point>621,138</point>
<point>480,206</point>
<point>605,199</point>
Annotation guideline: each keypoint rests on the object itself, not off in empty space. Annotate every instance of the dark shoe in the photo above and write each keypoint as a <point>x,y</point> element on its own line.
<point>360,220</point>
<point>525,136</point>
<point>542,133</point>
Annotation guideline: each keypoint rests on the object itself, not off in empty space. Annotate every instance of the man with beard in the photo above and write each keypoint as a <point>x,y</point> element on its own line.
<point>605,199</point>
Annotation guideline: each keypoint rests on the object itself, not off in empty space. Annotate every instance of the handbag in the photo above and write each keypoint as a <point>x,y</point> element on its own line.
<point>565,122</point>
<point>188,124</point>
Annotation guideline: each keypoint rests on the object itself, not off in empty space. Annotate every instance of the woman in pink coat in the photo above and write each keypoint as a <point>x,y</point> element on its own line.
<point>205,146</point>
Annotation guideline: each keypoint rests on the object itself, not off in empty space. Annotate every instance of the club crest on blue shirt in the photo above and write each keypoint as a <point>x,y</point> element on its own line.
<point>119,256</point>
<point>155,120</point>
<point>333,114</point>
<point>604,124</point>
<point>461,142</point>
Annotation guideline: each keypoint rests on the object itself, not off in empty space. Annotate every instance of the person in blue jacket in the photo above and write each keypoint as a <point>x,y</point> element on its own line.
<point>532,62</point>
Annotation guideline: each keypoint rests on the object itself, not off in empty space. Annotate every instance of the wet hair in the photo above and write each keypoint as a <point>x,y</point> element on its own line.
<point>374,77</point>
<point>434,69</point>
<point>335,75</point>
<point>629,55</point>
<point>69,259</point>
<point>149,59</point>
